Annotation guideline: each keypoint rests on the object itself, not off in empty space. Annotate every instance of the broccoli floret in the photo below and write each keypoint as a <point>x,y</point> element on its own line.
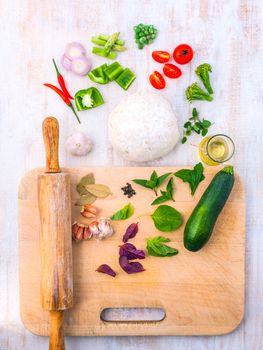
<point>194,92</point>
<point>202,72</point>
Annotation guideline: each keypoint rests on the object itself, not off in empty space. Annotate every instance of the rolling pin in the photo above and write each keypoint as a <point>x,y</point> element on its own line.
<point>55,237</point>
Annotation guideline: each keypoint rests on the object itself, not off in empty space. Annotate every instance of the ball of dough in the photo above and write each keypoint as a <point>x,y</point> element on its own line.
<point>143,127</point>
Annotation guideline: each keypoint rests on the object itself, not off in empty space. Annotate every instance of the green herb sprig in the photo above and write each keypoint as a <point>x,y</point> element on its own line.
<point>193,177</point>
<point>154,182</point>
<point>165,195</point>
<point>195,124</point>
<point>156,247</point>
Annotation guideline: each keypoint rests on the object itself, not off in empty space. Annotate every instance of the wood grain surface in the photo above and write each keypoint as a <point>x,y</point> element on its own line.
<point>201,293</point>
<point>227,34</point>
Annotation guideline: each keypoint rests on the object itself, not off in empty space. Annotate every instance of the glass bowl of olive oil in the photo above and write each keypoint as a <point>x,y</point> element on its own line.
<point>217,149</point>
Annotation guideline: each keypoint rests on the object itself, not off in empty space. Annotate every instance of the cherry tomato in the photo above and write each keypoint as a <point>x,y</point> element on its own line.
<point>183,54</point>
<point>161,56</point>
<point>171,71</point>
<point>157,80</point>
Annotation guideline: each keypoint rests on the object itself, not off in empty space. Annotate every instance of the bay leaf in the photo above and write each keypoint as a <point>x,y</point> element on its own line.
<point>84,181</point>
<point>86,199</point>
<point>98,190</point>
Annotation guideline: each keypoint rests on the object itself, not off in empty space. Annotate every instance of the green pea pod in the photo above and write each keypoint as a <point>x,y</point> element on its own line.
<point>87,99</point>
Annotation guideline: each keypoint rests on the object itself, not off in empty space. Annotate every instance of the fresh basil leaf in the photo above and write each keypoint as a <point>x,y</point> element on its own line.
<point>160,199</point>
<point>151,184</point>
<point>193,177</point>
<point>166,218</point>
<point>156,247</point>
<point>184,139</point>
<point>161,179</point>
<point>141,182</point>
<point>170,186</point>
<point>154,176</point>
<point>166,194</point>
<point>154,181</point>
<point>125,213</point>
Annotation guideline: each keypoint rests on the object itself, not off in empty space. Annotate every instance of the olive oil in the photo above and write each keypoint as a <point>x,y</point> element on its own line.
<point>217,149</point>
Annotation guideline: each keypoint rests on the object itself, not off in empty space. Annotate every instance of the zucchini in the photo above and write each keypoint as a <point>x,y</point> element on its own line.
<point>201,222</point>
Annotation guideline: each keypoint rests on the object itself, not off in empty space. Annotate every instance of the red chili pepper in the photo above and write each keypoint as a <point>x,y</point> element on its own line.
<point>61,81</point>
<point>64,98</point>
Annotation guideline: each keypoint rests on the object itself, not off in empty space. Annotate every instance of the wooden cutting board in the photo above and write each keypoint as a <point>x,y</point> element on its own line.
<point>201,293</point>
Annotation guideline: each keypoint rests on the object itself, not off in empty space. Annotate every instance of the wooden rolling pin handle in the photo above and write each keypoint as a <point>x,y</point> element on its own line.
<point>50,130</point>
<point>56,339</point>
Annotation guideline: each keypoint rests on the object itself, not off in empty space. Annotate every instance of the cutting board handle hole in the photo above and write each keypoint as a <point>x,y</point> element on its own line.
<point>133,314</point>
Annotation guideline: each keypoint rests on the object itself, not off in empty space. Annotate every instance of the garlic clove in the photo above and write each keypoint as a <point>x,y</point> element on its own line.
<point>88,211</point>
<point>86,233</point>
<point>93,227</point>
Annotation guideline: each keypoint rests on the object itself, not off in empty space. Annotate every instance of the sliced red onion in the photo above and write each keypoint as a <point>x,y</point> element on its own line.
<point>74,50</point>
<point>81,66</point>
<point>66,63</point>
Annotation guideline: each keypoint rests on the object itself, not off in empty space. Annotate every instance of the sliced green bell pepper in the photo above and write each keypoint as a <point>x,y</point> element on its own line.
<point>113,70</point>
<point>87,99</point>
<point>126,78</point>
<point>98,76</point>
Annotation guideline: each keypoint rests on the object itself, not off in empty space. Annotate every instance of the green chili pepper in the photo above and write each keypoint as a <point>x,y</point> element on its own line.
<point>87,99</point>
<point>113,71</point>
<point>98,76</point>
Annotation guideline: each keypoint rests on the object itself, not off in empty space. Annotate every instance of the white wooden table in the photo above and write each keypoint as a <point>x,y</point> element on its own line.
<point>225,33</point>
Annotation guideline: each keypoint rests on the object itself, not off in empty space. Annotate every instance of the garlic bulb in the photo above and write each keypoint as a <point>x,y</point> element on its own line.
<point>101,229</point>
<point>78,144</point>
<point>105,228</point>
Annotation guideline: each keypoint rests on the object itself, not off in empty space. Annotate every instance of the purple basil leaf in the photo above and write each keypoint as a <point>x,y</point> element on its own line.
<point>130,267</point>
<point>130,232</point>
<point>130,251</point>
<point>104,268</point>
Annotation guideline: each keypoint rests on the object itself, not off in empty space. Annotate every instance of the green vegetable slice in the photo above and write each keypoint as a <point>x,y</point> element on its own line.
<point>87,99</point>
<point>113,70</point>
<point>125,213</point>
<point>106,38</point>
<point>166,218</point>
<point>125,79</point>
<point>102,52</point>
<point>98,76</point>
<point>156,247</point>
<point>111,41</point>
